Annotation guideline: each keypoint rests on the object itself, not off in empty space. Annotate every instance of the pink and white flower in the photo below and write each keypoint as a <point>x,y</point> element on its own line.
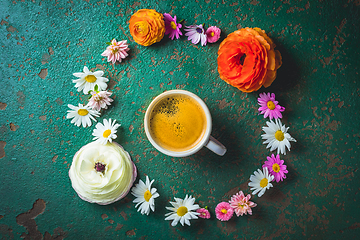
<point>241,204</point>
<point>196,33</point>
<point>100,100</point>
<point>224,211</point>
<point>269,107</point>
<point>116,51</point>
<point>213,34</point>
<point>276,167</point>
<point>203,213</point>
<point>171,27</point>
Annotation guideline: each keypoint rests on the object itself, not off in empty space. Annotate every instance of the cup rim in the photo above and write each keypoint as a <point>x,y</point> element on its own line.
<point>205,137</point>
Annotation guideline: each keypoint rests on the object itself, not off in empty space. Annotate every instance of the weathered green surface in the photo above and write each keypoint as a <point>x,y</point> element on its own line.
<point>44,42</point>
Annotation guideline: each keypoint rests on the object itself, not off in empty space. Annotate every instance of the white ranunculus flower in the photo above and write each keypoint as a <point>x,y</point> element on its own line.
<point>102,174</point>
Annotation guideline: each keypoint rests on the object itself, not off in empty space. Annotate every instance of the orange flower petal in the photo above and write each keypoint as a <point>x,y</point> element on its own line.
<point>247,59</point>
<point>147,27</point>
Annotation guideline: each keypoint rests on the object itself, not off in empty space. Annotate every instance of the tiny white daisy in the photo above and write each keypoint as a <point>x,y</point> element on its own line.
<point>87,80</point>
<point>182,211</point>
<point>105,133</point>
<point>260,181</point>
<point>277,137</point>
<point>82,115</point>
<point>145,196</point>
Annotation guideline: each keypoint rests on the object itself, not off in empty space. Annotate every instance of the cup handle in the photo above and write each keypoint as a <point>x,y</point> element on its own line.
<point>215,146</point>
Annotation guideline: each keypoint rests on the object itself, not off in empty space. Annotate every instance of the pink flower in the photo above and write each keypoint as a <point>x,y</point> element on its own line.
<point>116,51</point>
<point>276,167</point>
<point>171,27</point>
<point>100,100</point>
<point>213,34</point>
<point>269,106</point>
<point>204,213</point>
<point>195,33</point>
<point>224,211</point>
<point>241,204</point>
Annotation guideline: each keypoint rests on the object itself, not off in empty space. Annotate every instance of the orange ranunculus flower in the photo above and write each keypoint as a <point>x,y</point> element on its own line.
<point>247,59</point>
<point>147,26</point>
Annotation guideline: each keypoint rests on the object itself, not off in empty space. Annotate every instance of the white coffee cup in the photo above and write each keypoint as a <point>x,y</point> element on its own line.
<point>207,140</point>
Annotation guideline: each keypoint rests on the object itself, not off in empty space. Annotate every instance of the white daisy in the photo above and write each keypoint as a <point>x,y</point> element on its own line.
<point>196,33</point>
<point>182,211</point>
<point>105,132</point>
<point>277,137</point>
<point>145,196</point>
<point>260,181</point>
<point>82,115</point>
<point>87,80</point>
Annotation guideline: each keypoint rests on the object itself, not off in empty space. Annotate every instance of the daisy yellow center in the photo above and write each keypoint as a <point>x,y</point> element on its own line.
<point>212,34</point>
<point>224,211</point>
<point>182,211</point>
<point>264,182</point>
<point>276,167</point>
<point>270,105</point>
<point>90,78</point>
<point>279,135</point>
<point>147,195</point>
<point>114,50</point>
<point>106,133</point>
<point>83,112</point>
<point>173,25</point>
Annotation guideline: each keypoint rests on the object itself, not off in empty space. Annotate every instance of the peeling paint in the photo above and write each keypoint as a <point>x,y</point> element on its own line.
<point>54,158</point>
<point>43,73</point>
<point>3,106</point>
<point>2,149</point>
<point>13,127</point>
<point>131,233</point>
<point>27,220</point>
<point>118,227</point>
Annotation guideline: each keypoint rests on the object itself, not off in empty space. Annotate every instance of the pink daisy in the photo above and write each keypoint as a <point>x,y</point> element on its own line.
<point>276,167</point>
<point>241,204</point>
<point>171,27</point>
<point>196,33</point>
<point>100,100</point>
<point>224,211</point>
<point>213,34</point>
<point>116,51</point>
<point>204,213</point>
<point>269,107</point>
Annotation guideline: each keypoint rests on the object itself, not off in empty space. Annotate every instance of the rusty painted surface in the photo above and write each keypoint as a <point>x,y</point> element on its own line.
<point>44,42</point>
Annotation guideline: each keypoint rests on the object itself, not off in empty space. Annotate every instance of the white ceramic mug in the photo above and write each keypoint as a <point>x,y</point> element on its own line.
<point>207,140</point>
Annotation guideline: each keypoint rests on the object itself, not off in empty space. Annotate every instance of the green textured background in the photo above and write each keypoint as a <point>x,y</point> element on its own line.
<point>44,42</point>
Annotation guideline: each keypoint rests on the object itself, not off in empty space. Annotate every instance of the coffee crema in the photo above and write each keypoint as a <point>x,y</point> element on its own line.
<point>177,123</point>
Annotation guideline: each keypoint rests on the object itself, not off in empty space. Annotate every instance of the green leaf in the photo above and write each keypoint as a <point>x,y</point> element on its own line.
<point>96,88</point>
<point>108,43</point>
